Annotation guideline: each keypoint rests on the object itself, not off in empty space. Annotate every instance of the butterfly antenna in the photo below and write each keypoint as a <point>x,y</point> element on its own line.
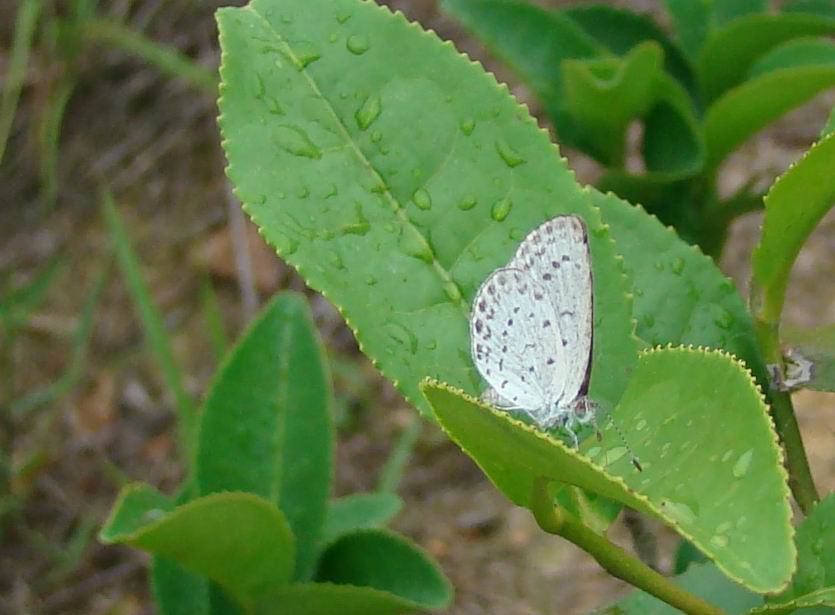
<point>632,457</point>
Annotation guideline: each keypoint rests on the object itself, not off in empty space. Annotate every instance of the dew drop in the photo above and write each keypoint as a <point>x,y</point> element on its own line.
<point>303,192</point>
<point>677,266</point>
<point>376,136</point>
<point>357,44</point>
<point>358,228</point>
<point>723,527</point>
<point>743,463</point>
<point>516,234</point>
<point>727,455</point>
<point>326,234</point>
<point>343,16</point>
<point>431,345</point>
<point>260,90</point>
<point>467,126</point>
<point>286,19</point>
<point>371,280</point>
<point>659,265</point>
<point>413,244</point>
<point>402,335</point>
<point>501,209</point>
<point>333,38</point>
<point>468,203</point>
<point>368,112</point>
<point>593,452</point>
<point>641,424</point>
<point>511,157</point>
<point>648,320</point>
<point>719,541</point>
<point>304,54</point>
<point>422,199</point>
<point>296,141</point>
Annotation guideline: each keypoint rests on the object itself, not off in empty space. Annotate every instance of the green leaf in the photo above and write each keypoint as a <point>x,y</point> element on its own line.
<point>825,8</point>
<point>327,599</point>
<point>721,485</point>
<point>359,511</point>
<point>725,11</point>
<point>152,323</point>
<point>801,52</point>
<point>266,426</point>
<point>18,302</point>
<point>794,205</point>
<point>673,146</point>
<point>534,42</point>
<point>817,345</point>
<point>239,540</point>
<point>26,21</point>
<point>730,52</point>
<point>620,30</point>
<point>604,95</point>
<point>815,600</point>
<point>691,19</point>
<point>681,296</point>
<point>384,561</point>
<point>744,110</point>
<point>178,591</point>
<point>703,580</point>
<point>416,209</point>
<point>815,554</point>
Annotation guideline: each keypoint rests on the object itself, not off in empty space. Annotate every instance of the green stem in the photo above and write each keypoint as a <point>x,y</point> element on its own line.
<point>800,475</point>
<point>612,558</point>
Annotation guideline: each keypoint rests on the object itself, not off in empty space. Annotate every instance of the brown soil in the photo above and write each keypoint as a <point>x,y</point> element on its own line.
<point>153,141</point>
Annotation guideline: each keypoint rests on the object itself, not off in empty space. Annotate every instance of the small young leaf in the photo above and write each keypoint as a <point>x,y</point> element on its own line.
<point>729,52</point>
<point>801,52</point>
<point>620,30</point>
<point>793,207</point>
<point>266,426</point>
<point>384,561</point>
<point>359,511</point>
<point>239,540</point>
<point>604,95</point>
<point>744,110</point>
<point>691,19</point>
<point>721,484</point>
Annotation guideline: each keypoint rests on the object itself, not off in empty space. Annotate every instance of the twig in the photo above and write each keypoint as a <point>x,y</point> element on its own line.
<point>612,558</point>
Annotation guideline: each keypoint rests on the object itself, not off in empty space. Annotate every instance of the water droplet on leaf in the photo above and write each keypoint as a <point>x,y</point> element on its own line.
<point>368,112</point>
<point>511,157</point>
<point>467,126</point>
<point>422,199</point>
<point>413,244</point>
<point>296,141</point>
<point>357,44</point>
<point>501,209</point>
<point>468,203</point>
<point>677,266</point>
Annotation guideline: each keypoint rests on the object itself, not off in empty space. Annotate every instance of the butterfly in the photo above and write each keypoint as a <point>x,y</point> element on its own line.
<point>531,328</point>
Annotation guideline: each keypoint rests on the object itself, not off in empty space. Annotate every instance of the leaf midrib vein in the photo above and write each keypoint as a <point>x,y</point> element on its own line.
<point>399,210</point>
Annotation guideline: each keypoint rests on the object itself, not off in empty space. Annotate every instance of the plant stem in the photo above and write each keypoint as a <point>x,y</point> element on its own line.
<point>800,475</point>
<point>612,558</point>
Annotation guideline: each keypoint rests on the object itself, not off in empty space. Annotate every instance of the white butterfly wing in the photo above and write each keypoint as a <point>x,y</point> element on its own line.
<point>515,338</point>
<point>556,255</point>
